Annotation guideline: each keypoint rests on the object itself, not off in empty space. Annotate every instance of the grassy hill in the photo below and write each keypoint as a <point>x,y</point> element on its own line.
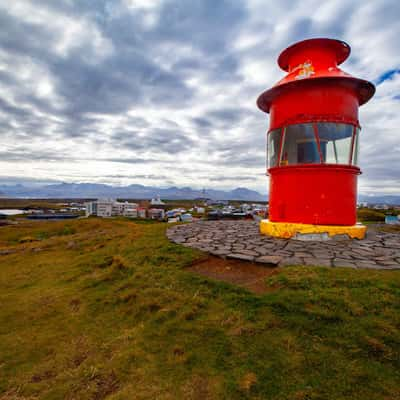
<point>105,309</point>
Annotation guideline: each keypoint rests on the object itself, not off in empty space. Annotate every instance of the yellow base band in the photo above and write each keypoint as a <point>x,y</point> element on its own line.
<point>287,230</point>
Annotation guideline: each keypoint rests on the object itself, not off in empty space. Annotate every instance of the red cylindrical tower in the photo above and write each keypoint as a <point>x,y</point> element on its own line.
<point>313,136</point>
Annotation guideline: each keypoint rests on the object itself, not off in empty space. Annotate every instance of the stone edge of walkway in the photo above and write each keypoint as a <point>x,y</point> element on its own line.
<point>176,235</point>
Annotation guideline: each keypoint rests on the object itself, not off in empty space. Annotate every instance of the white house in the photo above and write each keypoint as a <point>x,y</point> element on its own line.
<point>157,202</point>
<point>111,208</point>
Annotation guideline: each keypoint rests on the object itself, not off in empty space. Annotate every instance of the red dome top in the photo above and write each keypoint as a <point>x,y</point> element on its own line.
<point>311,60</point>
<point>332,48</point>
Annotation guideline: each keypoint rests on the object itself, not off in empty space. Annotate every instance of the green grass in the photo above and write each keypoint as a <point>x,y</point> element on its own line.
<point>96,309</point>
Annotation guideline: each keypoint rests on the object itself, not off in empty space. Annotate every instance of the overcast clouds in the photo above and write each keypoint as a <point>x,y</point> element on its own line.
<point>164,92</point>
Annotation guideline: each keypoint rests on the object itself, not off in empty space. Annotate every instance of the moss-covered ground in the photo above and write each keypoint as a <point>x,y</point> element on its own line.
<point>105,309</point>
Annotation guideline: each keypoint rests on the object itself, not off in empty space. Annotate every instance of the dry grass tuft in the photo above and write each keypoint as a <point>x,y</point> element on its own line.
<point>28,239</point>
<point>248,381</point>
<point>119,263</point>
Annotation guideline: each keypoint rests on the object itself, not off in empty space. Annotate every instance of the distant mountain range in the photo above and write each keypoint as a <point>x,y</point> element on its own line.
<point>384,199</point>
<point>94,190</point>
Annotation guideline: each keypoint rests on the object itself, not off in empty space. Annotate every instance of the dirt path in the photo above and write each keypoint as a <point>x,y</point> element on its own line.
<point>246,274</point>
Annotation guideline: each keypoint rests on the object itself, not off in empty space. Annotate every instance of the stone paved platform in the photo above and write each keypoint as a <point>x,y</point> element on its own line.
<point>241,240</point>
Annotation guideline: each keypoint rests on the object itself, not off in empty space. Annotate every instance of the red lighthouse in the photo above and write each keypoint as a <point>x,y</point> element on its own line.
<point>313,142</point>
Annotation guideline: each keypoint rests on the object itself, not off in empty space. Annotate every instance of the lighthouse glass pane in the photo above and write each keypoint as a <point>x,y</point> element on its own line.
<point>274,139</point>
<point>300,146</point>
<point>335,140</point>
<point>355,148</point>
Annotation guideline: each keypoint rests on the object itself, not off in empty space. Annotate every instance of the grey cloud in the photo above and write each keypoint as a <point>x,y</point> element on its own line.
<point>155,139</point>
<point>110,86</point>
<point>18,37</point>
<point>202,122</point>
<point>26,155</point>
<point>130,77</point>
<point>230,178</point>
<point>133,160</point>
<point>244,161</point>
<point>206,24</point>
<point>229,115</point>
<point>130,176</point>
<point>301,28</point>
<point>115,85</point>
<point>17,112</point>
<point>138,122</point>
<point>151,176</point>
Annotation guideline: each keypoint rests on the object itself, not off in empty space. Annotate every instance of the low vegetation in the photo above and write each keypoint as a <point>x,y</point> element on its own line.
<point>106,309</point>
<point>369,215</point>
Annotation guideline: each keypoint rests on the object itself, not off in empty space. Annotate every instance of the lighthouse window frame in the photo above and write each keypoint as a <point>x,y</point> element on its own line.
<point>313,143</point>
<point>299,145</point>
<point>274,143</point>
<point>339,143</point>
<point>354,156</point>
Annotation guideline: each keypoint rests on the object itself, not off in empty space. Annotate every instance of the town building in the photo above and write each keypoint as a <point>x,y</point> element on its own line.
<point>111,208</point>
<point>142,212</point>
<point>392,219</point>
<point>157,203</point>
<point>156,213</point>
<point>124,208</point>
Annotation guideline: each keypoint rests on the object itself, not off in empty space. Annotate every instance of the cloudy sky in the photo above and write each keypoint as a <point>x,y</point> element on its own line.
<point>164,92</point>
